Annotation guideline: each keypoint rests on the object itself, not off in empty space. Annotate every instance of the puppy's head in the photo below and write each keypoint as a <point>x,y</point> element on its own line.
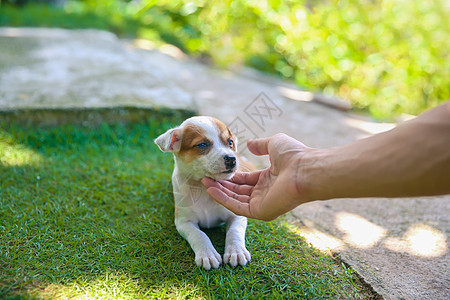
<point>203,146</point>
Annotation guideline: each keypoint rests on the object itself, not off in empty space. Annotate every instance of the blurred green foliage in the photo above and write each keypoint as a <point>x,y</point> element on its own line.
<point>387,56</point>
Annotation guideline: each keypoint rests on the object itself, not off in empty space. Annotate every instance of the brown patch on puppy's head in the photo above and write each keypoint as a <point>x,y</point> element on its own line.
<point>192,136</point>
<point>227,138</point>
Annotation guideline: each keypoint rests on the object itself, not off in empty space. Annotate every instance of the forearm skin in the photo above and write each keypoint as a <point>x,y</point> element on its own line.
<point>412,159</point>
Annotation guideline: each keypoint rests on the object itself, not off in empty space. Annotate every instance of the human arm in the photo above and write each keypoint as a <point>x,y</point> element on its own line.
<point>412,159</point>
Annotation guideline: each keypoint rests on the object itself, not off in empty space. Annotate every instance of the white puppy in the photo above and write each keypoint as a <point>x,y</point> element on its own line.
<point>204,146</point>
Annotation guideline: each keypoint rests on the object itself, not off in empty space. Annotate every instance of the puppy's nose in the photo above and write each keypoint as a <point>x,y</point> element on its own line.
<point>230,161</point>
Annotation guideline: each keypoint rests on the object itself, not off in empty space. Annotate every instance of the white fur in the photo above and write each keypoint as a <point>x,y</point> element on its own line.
<point>195,208</point>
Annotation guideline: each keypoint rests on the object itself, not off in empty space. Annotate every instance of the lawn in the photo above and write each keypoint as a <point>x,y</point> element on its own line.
<point>88,213</point>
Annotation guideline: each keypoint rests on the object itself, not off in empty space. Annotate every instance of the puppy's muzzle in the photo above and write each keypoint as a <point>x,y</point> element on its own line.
<point>230,163</point>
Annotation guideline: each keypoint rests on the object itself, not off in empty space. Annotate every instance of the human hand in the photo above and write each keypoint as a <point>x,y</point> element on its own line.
<point>269,193</point>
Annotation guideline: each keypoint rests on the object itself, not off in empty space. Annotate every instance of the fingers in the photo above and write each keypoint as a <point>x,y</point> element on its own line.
<point>259,146</point>
<point>236,206</point>
<point>246,178</point>
<point>235,191</point>
<point>240,178</point>
<point>208,182</point>
<point>278,143</point>
<point>237,188</point>
<point>233,196</point>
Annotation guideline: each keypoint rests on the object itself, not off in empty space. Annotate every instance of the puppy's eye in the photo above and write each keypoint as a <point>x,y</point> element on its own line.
<point>230,143</point>
<point>203,146</point>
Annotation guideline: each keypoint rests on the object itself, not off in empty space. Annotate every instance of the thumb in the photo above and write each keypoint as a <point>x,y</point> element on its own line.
<point>259,146</point>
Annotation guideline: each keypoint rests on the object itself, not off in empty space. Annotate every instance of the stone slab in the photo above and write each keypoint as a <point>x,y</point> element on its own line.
<point>56,68</point>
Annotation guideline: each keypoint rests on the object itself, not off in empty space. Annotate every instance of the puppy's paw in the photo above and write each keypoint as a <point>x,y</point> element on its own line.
<point>208,258</point>
<point>235,255</point>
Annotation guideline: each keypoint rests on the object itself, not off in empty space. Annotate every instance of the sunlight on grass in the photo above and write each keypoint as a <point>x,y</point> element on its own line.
<point>15,154</point>
<point>115,286</point>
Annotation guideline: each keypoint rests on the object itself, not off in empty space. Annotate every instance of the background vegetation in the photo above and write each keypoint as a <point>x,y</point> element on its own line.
<point>385,56</point>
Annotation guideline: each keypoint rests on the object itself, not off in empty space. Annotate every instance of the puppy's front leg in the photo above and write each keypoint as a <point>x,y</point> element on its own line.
<point>235,251</point>
<point>205,254</point>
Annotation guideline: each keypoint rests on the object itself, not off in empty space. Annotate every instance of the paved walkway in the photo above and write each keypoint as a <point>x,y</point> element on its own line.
<point>399,246</point>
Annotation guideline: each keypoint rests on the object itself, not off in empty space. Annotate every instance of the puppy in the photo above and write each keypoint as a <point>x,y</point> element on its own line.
<point>204,146</point>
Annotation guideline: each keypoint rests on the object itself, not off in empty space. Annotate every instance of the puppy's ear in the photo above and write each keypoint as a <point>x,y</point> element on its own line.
<point>170,141</point>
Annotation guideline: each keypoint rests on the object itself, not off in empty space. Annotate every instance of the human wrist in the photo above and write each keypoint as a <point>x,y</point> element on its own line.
<point>313,175</point>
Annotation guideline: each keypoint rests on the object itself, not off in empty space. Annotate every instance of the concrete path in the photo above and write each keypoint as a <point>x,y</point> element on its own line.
<point>399,246</point>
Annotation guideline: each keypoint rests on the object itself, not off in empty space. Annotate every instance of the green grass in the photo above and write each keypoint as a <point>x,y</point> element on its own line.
<point>387,57</point>
<point>88,213</point>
